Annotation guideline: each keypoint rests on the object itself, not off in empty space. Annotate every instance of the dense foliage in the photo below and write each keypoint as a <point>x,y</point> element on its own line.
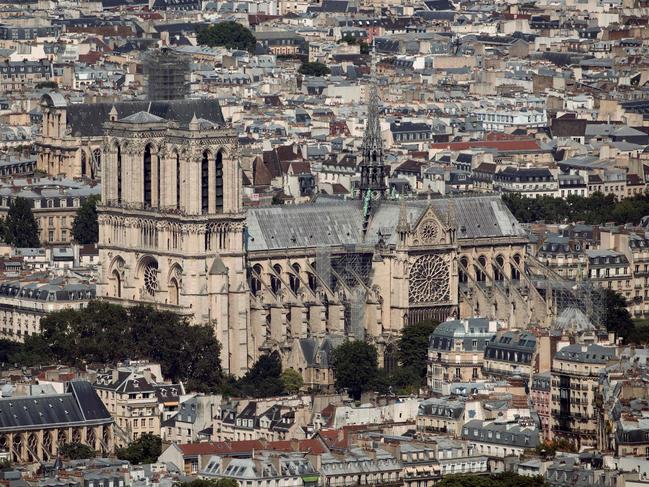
<point>314,69</point>
<point>228,34</point>
<point>77,451</point>
<point>20,227</point>
<point>292,381</point>
<point>505,479</point>
<point>106,334</point>
<point>594,209</point>
<point>85,228</point>
<point>413,346</point>
<point>263,379</point>
<point>355,367</point>
<point>146,449</point>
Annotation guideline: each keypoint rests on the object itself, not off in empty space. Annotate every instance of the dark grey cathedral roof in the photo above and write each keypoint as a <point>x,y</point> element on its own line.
<point>87,119</point>
<point>339,223</point>
<point>79,406</point>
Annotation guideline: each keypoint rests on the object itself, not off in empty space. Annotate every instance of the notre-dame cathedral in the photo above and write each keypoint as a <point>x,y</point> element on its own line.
<point>294,279</point>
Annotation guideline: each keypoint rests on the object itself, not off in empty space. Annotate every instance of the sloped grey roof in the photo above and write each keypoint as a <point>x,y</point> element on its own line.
<point>87,119</point>
<point>80,405</point>
<point>142,117</point>
<point>338,223</point>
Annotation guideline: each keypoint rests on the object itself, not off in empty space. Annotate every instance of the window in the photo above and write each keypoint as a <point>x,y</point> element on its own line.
<point>119,175</point>
<point>218,181</point>
<point>146,168</point>
<point>205,185</point>
<point>178,180</point>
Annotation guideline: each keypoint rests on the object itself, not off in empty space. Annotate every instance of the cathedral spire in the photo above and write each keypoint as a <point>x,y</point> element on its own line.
<point>373,170</point>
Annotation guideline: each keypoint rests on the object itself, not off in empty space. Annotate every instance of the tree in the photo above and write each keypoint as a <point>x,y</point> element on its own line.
<point>413,346</point>
<point>228,34</point>
<point>314,69</point>
<point>146,449</point>
<point>20,225</point>
<point>77,451</point>
<point>85,228</point>
<point>264,377</point>
<point>617,318</point>
<point>106,333</point>
<point>292,381</point>
<point>355,366</point>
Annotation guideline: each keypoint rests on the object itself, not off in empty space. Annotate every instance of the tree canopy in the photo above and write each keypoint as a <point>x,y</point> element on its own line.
<point>106,333</point>
<point>594,209</point>
<point>355,367</point>
<point>20,227</point>
<point>85,228</point>
<point>413,346</point>
<point>228,34</point>
<point>292,381</point>
<point>264,378</point>
<point>146,449</point>
<point>77,451</point>
<point>314,69</point>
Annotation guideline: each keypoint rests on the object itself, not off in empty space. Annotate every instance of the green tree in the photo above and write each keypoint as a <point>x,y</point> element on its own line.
<point>264,377</point>
<point>85,228</point>
<point>314,69</point>
<point>413,346</point>
<point>77,451</point>
<point>616,316</point>
<point>20,225</point>
<point>292,381</point>
<point>146,449</point>
<point>228,34</point>
<point>355,366</point>
<point>106,333</point>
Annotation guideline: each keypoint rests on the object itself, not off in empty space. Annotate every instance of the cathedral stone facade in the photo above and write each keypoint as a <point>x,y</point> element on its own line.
<point>298,279</point>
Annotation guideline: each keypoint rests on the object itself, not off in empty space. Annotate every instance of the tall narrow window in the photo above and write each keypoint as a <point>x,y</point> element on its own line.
<point>178,180</point>
<point>158,196</point>
<point>218,181</point>
<point>119,174</point>
<point>205,184</point>
<point>146,167</point>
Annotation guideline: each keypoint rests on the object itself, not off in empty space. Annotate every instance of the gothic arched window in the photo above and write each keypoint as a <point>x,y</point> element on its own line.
<point>146,167</point>
<point>218,181</point>
<point>178,180</point>
<point>119,174</point>
<point>84,163</point>
<point>205,184</point>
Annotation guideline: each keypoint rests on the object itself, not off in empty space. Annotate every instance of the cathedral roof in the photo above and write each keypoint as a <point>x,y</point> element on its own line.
<point>335,223</point>
<point>87,119</point>
<point>142,117</point>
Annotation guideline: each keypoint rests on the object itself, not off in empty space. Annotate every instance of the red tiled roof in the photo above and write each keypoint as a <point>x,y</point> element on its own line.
<point>220,447</point>
<point>315,446</point>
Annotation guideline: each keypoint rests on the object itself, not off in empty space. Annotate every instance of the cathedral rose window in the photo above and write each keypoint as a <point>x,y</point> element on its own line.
<point>429,280</point>
<point>151,277</point>
<point>429,231</point>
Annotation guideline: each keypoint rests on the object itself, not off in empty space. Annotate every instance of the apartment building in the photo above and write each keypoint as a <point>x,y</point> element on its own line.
<point>456,350</point>
<point>573,389</point>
